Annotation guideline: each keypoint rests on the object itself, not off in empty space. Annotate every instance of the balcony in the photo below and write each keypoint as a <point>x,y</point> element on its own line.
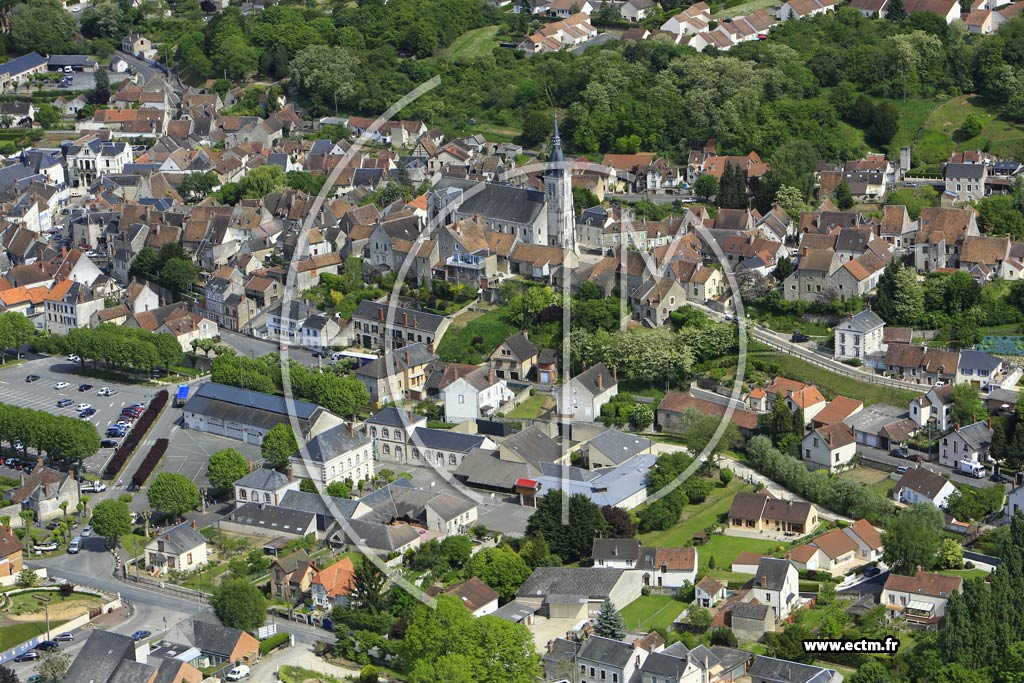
<point>466,262</point>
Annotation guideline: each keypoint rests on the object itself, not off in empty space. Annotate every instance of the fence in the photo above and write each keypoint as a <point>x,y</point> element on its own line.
<point>168,588</point>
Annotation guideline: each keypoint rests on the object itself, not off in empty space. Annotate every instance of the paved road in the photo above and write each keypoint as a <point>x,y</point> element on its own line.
<point>255,347</point>
<point>883,456</point>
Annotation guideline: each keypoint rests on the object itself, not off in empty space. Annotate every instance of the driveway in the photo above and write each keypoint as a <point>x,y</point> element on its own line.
<point>880,459</point>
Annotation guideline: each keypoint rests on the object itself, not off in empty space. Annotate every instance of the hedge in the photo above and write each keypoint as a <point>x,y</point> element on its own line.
<point>123,453</point>
<point>272,643</point>
<point>150,462</point>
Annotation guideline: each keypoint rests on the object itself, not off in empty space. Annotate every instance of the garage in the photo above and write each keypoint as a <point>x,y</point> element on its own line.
<point>254,436</point>
<point>214,426</point>
<point>233,430</point>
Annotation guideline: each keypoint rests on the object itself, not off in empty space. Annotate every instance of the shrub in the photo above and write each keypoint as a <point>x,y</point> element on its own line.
<point>152,459</point>
<point>273,642</point>
<point>725,476</point>
<point>123,453</point>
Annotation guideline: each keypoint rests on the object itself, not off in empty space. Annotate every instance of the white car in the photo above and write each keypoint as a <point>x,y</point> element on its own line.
<point>83,406</point>
<point>46,547</point>
<point>106,391</point>
<point>86,531</point>
<point>73,358</point>
<point>61,385</point>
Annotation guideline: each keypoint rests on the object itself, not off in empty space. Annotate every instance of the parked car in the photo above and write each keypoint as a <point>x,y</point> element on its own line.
<point>33,378</point>
<point>87,413</point>
<point>84,387</point>
<point>1001,478</point>
<point>29,656</point>
<point>108,443</point>
<point>87,530</point>
<point>66,637</point>
<point>902,469</point>
<point>48,645</point>
<point>238,673</point>
<point>872,571</point>
<point>799,338</point>
<point>61,385</point>
<point>915,458</point>
<point>74,358</point>
<point>106,391</point>
<point>75,545</point>
<point>83,406</point>
<point>900,452</point>
<point>140,635</point>
<point>53,525</point>
<point>34,678</point>
<point>64,402</point>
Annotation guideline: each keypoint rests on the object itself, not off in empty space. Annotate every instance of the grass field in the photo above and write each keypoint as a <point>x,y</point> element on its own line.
<point>965,573</point>
<point>746,8</point>
<point>19,633</point>
<point>833,385</point>
<point>531,407</point>
<point>476,43</point>
<point>875,479</point>
<point>697,517</point>
<point>490,328</point>
<point>913,114</point>
<point>998,135</point>
<point>652,612</point>
<point>725,549</point>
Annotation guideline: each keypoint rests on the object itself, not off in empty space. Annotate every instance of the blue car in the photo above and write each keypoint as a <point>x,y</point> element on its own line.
<point>87,413</point>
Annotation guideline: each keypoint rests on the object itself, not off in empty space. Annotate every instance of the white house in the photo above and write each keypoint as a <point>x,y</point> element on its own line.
<point>332,585</point>
<point>602,660</point>
<point>921,485</point>
<point>586,393</point>
<point>858,336</point>
<point>933,408</point>
<point>708,592</point>
<point>263,485</point>
<point>831,447</point>
<point>867,538</point>
<point>475,595</point>
<point>776,584</point>
<point>477,394</point>
<point>798,9</point>
<point>1014,502</point>
<point>180,548</point>
<point>334,455</point>
<point>968,443</point>
<point>638,10</point>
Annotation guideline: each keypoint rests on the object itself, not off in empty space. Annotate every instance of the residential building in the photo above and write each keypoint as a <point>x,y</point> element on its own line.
<point>378,325</point>
<point>968,443</point>
<point>221,644</point>
<point>762,511</point>
<point>285,320</point>
<point>291,576</point>
<point>44,490</point>
<point>514,358</point>
<point>604,660</point>
<point>776,584</point>
<point>178,549</point>
<point>10,553</point>
<point>709,592</point>
<point>578,592</point>
<point>587,393</point>
<point>477,394</point>
<point>831,447</point>
<point>479,598</point>
<point>332,586</point>
<point>921,485</point>
<point>834,551</point>
<point>933,409</point>
<point>265,486</point>
<point>336,454</point>
<point>940,235</point>
<point>965,182</point>
<point>868,540</point>
<point>921,599</point>
<point>398,375</point>
<point>612,447</point>
<point>770,670</point>
<point>70,305</point>
<point>390,429</point>
<point>859,336</point>
<point>811,276</point>
<point>672,409</point>
<point>799,9</point>
<point>16,71</point>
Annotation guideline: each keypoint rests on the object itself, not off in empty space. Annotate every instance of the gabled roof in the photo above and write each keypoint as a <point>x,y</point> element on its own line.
<point>771,670</point>
<point>179,539</point>
<point>772,573</point>
<point>336,579</point>
<point>865,321</point>
<point>925,583</point>
<point>589,378</point>
<point>922,481</point>
<point>264,479</point>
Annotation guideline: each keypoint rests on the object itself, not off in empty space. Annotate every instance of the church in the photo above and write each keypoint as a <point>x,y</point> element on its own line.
<point>535,217</point>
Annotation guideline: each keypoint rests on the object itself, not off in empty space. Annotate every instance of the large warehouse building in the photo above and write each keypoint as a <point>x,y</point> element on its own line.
<point>248,415</point>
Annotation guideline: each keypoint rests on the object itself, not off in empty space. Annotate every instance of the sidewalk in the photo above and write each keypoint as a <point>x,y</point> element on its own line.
<point>265,671</point>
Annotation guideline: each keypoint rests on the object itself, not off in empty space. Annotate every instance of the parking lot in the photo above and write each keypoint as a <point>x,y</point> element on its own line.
<point>41,395</point>
<point>189,452</point>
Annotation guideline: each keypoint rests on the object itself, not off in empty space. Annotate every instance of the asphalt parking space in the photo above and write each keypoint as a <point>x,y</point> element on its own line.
<point>189,453</point>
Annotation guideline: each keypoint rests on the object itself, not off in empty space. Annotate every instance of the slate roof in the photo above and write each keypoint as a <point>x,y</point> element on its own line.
<point>978,360</point>
<point>619,446</point>
<point>750,610</point>
<point>394,417</point>
<point>20,65</point>
<point>315,504</point>
<point>179,539</point>
<point>264,479</point>
<point>211,393</point>
<point>774,670</point>
<point>570,583</point>
<point>968,171</point>
<point>612,653</point>
<point>978,435</point>
<point>773,571</point>
<point>331,444</point>
<point>99,657</point>
<point>215,638</point>
<point>615,549</point>
<point>376,536</point>
<point>496,201</point>
<point>763,504</point>
<point>865,321</point>
<point>533,446</point>
<point>588,379</point>
<point>521,346</point>
<point>279,519</point>
<point>396,361</point>
<point>369,310</point>
<point>923,481</point>
<point>445,440</point>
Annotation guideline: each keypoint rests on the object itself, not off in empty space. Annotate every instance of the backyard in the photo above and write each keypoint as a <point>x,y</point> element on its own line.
<point>479,42</point>
<point>530,408</point>
<point>652,612</point>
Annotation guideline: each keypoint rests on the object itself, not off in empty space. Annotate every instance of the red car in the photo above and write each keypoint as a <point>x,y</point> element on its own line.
<point>914,457</point>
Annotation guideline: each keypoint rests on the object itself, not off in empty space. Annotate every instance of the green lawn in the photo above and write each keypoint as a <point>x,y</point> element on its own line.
<point>745,9</point>
<point>652,612</point>
<point>965,573</point>
<point>473,342</point>
<point>295,674</point>
<point>19,633</point>
<point>725,549</point>
<point>697,517</point>
<point>913,114</point>
<point>998,135</point>
<point>832,384</point>
<point>479,42</point>
<point>29,602</point>
<point>207,580</point>
<point>530,408</point>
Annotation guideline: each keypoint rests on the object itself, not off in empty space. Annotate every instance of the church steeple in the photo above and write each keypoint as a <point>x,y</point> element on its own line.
<point>558,194</point>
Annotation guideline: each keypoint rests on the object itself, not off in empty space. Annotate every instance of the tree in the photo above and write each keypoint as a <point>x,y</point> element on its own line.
<point>723,636</point>
<point>456,551</point>
<point>104,20</point>
<point>501,569</point>
<point>308,486</point>
<point>706,186</point>
<point>27,578</point>
<point>570,541</point>
<point>53,665</point>
<point>844,197</point>
<point>642,416</point>
<point>620,523</point>
<point>239,604</point>
<point>967,405</point>
<point>913,538</point>
<point>278,445</point>
<point>900,300</point>
<point>700,618</point>
<point>537,126</point>
<point>367,585</point>
<point>195,187</point>
<point>609,623</point>
<point>792,200</point>
<point>339,489</point>
<point>951,555</point>
<point>101,87</point>
<point>883,124</point>
<point>896,11</point>
<point>112,519</point>
<point>325,71</point>
<point>971,127</point>
<point>47,115</point>
<point>42,26</point>
<point>16,330</point>
<point>173,493</point>
<point>732,188</point>
<point>872,671</point>
<point>8,675</point>
<point>178,275</point>
<point>226,466</point>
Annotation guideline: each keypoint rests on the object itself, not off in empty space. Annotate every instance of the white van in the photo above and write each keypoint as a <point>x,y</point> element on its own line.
<point>75,545</point>
<point>238,673</point>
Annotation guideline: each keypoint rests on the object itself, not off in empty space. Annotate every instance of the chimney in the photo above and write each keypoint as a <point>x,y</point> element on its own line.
<point>764,581</point>
<point>249,463</point>
<point>615,373</point>
<point>526,334</point>
<point>600,380</point>
<point>380,314</point>
<point>291,473</point>
<point>351,428</point>
<point>490,376</point>
<point>407,358</point>
<point>405,319</point>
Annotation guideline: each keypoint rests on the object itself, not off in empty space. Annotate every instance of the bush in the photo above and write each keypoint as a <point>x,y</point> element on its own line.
<point>273,642</point>
<point>725,476</point>
<point>150,462</point>
<point>123,453</point>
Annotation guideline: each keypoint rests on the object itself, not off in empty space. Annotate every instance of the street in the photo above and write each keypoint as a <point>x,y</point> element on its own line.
<point>883,457</point>
<point>254,348</point>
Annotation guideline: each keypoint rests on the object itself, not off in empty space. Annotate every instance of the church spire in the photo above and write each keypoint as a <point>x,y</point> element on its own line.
<point>556,159</point>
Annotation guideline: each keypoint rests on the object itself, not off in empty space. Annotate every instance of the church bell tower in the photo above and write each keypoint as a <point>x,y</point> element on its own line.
<point>558,197</point>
